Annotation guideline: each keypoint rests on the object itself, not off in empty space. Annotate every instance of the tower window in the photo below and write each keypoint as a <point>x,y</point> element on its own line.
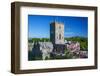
<point>59,27</point>
<point>59,36</point>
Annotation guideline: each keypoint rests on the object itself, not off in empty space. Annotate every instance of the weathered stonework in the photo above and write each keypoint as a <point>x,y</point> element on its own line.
<point>57,33</point>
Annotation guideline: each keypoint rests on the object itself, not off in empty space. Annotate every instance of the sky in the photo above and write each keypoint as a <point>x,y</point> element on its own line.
<point>39,25</point>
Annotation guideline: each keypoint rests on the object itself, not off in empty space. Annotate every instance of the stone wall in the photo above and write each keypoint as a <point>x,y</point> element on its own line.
<point>42,49</point>
<point>57,33</point>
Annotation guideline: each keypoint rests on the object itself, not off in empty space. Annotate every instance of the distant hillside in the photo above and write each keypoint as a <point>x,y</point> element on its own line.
<point>39,40</point>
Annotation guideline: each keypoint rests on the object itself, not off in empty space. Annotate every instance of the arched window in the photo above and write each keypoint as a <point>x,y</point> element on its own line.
<point>59,27</point>
<point>59,36</point>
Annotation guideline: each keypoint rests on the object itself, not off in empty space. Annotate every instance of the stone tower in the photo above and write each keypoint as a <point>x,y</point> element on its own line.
<point>57,33</point>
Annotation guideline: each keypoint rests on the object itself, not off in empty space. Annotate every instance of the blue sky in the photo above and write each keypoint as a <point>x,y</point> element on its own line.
<point>39,25</point>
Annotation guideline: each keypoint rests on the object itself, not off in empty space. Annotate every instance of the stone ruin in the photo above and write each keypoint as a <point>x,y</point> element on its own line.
<point>57,45</point>
<point>42,49</point>
<point>46,49</point>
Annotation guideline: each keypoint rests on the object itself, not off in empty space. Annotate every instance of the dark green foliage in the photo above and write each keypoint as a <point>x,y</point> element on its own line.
<point>30,40</point>
<point>39,40</point>
<point>47,58</point>
<point>68,55</point>
<point>32,57</point>
<point>38,58</point>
